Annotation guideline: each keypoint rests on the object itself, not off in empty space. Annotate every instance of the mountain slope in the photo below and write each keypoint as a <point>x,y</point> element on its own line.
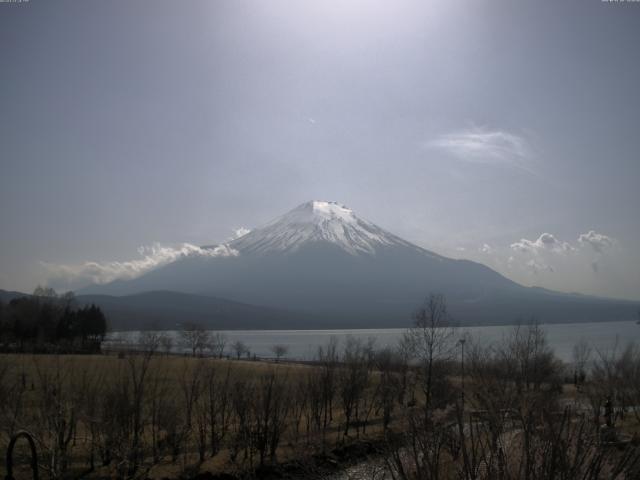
<point>317,222</point>
<point>323,261</point>
<point>169,310</point>
<point>6,295</point>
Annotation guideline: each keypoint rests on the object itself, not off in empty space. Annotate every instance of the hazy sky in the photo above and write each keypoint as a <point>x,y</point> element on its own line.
<point>504,132</point>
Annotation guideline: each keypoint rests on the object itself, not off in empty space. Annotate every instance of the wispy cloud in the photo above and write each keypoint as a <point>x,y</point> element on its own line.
<point>590,262</point>
<point>486,146</point>
<point>541,254</point>
<point>240,232</point>
<point>486,248</point>
<point>546,241</point>
<point>598,241</point>
<point>153,256</point>
<point>535,266</point>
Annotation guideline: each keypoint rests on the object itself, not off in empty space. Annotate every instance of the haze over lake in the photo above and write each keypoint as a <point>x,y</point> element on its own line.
<point>303,344</point>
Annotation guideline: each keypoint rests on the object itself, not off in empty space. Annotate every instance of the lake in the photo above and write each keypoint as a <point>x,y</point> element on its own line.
<point>303,344</point>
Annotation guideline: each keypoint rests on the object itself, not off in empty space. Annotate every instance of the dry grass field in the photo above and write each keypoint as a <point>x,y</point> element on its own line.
<point>141,415</point>
<point>512,413</point>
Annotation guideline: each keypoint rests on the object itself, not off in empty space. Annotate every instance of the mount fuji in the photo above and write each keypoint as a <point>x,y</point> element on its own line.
<point>320,265</point>
<point>317,222</point>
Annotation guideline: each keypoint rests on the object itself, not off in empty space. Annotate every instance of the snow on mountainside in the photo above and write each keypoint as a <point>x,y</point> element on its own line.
<point>317,221</point>
<point>326,268</point>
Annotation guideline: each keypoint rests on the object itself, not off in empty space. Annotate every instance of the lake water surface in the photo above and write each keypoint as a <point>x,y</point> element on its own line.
<point>303,344</point>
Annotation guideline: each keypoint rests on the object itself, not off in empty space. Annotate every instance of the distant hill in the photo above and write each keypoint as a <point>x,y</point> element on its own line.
<point>6,296</point>
<point>341,270</point>
<point>164,310</point>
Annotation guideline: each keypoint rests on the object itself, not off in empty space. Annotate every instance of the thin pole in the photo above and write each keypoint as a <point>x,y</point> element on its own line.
<point>462,340</point>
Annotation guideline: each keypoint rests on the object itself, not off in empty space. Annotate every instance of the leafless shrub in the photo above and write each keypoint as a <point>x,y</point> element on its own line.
<point>150,342</point>
<point>242,433</point>
<point>270,409</point>
<point>353,380</point>
<point>431,342</point>
<point>166,343</point>
<point>56,416</point>
<point>195,338</point>
<point>217,345</point>
<point>239,348</point>
<point>581,355</point>
<point>218,408</point>
<point>615,377</point>
<point>389,385</point>
<point>328,359</point>
<point>279,351</point>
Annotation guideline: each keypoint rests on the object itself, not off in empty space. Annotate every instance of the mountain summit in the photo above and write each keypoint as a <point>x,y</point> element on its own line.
<point>329,268</point>
<point>317,221</point>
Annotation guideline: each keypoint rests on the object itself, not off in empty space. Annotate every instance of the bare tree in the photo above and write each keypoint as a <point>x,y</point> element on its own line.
<point>123,413</point>
<point>194,337</point>
<point>328,358</point>
<point>90,391</point>
<point>149,341</point>
<point>166,343</point>
<point>242,402</point>
<point>581,356</point>
<point>218,400</point>
<point>353,380</point>
<point>191,383</point>
<point>279,351</point>
<point>518,429</point>
<point>157,401</point>
<point>299,403</point>
<point>138,371</point>
<point>387,361</point>
<point>57,415</point>
<point>218,344</point>
<point>431,341</point>
<point>239,348</point>
<point>614,377</point>
<point>172,422</point>
<point>270,410</point>
<point>531,360</point>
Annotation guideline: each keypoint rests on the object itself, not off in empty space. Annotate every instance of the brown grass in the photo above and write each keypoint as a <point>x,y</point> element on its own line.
<point>27,378</point>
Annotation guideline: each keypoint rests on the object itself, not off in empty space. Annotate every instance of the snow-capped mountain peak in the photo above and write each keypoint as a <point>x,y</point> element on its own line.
<point>331,211</point>
<point>316,221</point>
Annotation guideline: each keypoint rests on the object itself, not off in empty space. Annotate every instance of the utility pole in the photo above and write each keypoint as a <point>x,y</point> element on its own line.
<point>462,340</point>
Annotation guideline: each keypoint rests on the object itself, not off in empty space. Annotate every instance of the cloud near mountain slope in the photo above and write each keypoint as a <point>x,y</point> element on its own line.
<point>153,256</point>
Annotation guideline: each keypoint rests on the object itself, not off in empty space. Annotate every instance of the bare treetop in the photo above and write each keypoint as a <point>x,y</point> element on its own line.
<point>430,341</point>
<point>279,351</point>
<point>432,335</point>
<point>195,337</point>
<point>239,348</point>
